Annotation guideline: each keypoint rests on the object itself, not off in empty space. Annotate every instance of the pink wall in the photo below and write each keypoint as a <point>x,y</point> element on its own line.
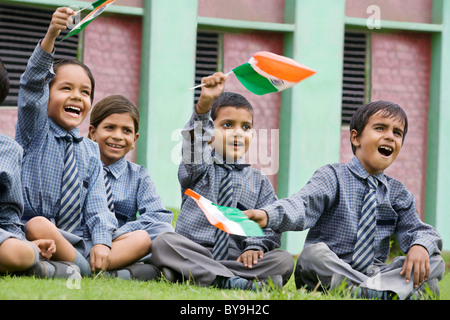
<point>401,73</point>
<point>396,10</point>
<point>238,48</point>
<point>251,10</point>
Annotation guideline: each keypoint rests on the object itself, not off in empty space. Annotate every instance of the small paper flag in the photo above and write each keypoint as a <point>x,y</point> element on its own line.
<point>99,7</point>
<point>230,220</point>
<point>267,72</point>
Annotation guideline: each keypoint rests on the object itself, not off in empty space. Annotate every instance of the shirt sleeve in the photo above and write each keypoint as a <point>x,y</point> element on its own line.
<point>100,221</point>
<point>33,96</point>
<point>153,216</point>
<point>196,153</point>
<point>303,209</point>
<point>271,240</point>
<point>11,201</point>
<point>410,230</point>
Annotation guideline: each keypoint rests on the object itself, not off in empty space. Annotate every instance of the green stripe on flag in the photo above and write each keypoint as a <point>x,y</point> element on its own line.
<point>253,81</point>
<point>250,227</point>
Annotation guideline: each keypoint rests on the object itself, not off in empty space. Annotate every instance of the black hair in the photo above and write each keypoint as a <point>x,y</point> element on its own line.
<point>4,82</point>
<point>59,63</point>
<point>230,99</point>
<point>388,109</point>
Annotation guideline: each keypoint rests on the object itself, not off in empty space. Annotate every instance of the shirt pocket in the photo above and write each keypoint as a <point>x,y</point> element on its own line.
<point>385,228</point>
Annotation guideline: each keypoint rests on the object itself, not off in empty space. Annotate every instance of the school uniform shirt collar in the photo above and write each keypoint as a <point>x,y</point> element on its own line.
<point>118,168</point>
<point>358,169</point>
<point>59,132</point>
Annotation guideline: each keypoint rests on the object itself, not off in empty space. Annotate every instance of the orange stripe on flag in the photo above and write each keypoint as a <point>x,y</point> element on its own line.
<point>282,67</point>
<point>192,193</point>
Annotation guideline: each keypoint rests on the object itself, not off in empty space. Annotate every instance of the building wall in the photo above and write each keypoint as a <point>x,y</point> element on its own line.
<point>249,10</point>
<point>395,10</point>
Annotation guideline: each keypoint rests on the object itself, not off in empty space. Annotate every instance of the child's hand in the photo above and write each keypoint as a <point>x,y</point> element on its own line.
<point>46,247</point>
<point>259,216</point>
<point>418,260</point>
<point>58,23</point>
<point>250,257</point>
<point>212,89</point>
<point>100,257</point>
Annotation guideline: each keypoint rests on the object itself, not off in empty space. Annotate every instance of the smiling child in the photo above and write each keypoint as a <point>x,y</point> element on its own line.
<point>214,142</point>
<point>353,209</point>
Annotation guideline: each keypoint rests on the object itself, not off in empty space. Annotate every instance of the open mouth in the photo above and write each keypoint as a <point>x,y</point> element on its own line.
<point>385,150</point>
<point>72,110</point>
<point>237,144</point>
<point>114,146</point>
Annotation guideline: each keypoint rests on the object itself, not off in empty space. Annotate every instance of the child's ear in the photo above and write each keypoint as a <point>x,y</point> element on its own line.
<point>92,131</point>
<point>354,138</point>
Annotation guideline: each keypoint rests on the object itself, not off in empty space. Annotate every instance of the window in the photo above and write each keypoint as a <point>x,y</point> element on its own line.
<point>21,27</point>
<point>356,77</point>
<point>208,57</point>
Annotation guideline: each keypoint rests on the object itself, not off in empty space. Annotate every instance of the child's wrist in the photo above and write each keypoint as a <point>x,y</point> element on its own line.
<point>203,106</point>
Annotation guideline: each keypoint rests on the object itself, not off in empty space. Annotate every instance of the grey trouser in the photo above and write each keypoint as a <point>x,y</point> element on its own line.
<point>194,261</point>
<point>318,263</point>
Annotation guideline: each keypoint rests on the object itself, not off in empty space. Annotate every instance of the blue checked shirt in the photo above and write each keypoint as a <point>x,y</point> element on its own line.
<point>11,201</point>
<point>135,194</point>
<point>44,146</point>
<point>330,204</point>
<point>250,189</point>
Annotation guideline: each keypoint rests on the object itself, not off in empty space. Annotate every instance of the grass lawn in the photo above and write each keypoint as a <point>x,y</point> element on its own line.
<point>100,288</point>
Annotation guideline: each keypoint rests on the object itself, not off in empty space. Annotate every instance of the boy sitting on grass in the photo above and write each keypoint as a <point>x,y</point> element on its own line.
<point>215,141</point>
<point>353,209</point>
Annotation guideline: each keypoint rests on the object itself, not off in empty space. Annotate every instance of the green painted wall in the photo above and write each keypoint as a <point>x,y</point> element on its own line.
<point>438,163</point>
<point>310,120</point>
<point>167,73</point>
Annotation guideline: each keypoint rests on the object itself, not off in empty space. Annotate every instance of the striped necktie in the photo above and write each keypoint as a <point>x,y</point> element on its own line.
<point>109,195</point>
<point>69,213</point>
<point>221,238</point>
<point>364,248</point>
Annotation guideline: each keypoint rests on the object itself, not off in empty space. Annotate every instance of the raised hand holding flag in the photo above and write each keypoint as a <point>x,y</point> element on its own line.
<point>99,6</point>
<point>267,72</point>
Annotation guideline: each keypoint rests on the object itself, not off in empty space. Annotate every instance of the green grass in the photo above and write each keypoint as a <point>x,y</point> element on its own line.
<point>29,288</point>
<point>100,288</point>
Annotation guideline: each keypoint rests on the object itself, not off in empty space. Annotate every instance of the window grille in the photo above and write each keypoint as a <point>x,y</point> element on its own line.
<point>21,27</point>
<point>208,57</point>
<point>355,77</point>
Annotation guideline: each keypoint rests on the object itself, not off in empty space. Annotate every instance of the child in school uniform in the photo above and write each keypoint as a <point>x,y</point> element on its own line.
<point>114,125</point>
<point>62,176</point>
<point>17,254</point>
<point>353,209</point>
<point>214,143</point>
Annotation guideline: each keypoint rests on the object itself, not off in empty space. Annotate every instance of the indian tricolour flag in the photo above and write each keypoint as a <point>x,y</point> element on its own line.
<point>268,72</point>
<point>99,6</point>
<point>230,220</point>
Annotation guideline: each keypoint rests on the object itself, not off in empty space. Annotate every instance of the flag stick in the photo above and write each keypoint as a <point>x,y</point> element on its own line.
<point>201,85</point>
<point>77,12</point>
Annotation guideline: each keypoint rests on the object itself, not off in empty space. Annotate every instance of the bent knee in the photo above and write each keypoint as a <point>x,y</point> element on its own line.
<point>314,253</point>
<point>38,228</point>
<point>17,255</point>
